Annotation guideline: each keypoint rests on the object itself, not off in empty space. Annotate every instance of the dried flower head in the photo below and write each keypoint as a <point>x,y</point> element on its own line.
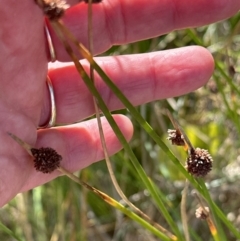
<point>46,159</point>
<point>53,9</point>
<point>202,213</point>
<point>199,162</point>
<point>176,137</point>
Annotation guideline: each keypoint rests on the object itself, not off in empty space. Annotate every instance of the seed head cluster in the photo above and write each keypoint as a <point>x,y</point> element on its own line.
<point>199,162</point>
<point>54,9</point>
<point>176,137</point>
<point>46,159</point>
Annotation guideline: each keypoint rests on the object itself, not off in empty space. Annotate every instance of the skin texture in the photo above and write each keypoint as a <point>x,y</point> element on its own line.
<point>24,101</point>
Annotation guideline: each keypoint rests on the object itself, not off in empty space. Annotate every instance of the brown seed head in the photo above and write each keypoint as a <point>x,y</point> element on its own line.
<point>199,162</point>
<point>46,159</point>
<point>54,9</point>
<point>176,137</point>
<point>202,213</point>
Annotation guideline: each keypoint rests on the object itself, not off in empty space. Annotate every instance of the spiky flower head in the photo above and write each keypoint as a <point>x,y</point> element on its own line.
<point>176,137</point>
<point>54,9</point>
<point>46,159</point>
<point>199,162</point>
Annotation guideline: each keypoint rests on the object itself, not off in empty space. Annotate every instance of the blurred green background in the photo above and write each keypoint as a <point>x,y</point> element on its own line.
<point>63,211</point>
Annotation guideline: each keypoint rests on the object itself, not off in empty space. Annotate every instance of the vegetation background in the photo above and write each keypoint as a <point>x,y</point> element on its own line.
<point>63,210</point>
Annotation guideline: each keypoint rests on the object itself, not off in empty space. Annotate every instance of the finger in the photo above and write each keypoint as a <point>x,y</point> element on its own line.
<point>142,78</point>
<point>23,63</point>
<point>124,21</point>
<point>79,145</point>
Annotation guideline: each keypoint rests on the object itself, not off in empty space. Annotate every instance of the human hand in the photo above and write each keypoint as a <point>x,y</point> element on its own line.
<point>24,102</point>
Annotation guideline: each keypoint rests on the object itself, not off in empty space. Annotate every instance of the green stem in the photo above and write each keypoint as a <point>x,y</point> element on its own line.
<point>91,87</point>
<point>117,205</point>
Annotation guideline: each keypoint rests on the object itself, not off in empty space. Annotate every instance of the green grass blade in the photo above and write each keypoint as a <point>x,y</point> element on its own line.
<point>138,219</point>
<point>219,213</point>
<point>132,157</point>
<point>9,232</point>
<point>157,139</point>
<point>91,87</point>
